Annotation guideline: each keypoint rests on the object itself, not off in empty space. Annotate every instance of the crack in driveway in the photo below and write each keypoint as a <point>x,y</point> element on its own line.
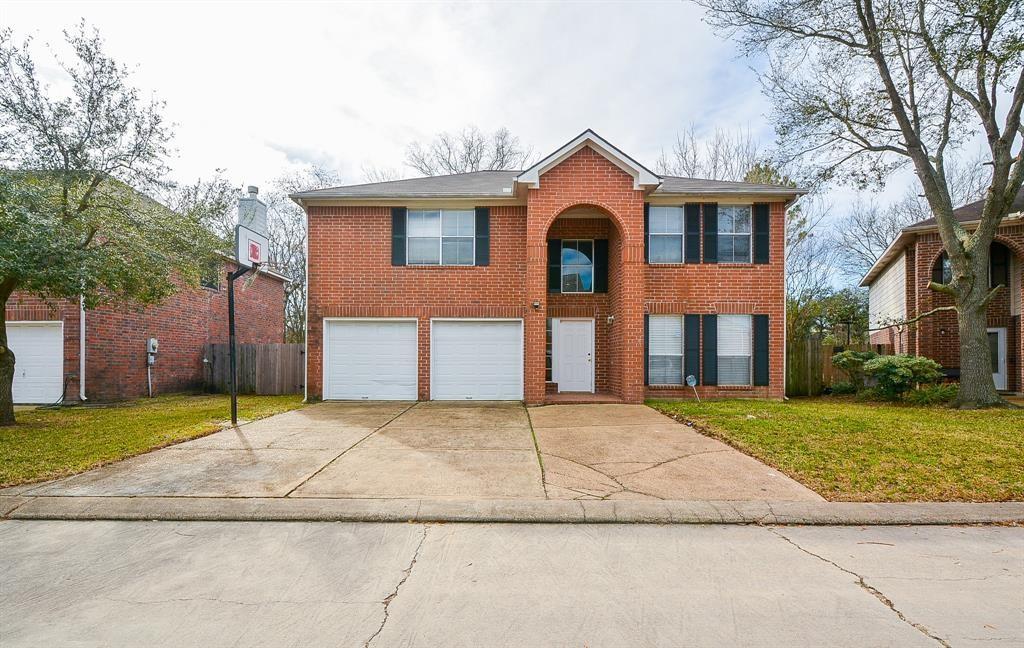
<point>394,593</point>
<point>882,598</point>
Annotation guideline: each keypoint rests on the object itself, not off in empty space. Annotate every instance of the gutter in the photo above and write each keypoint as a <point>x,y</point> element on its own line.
<point>81,348</point>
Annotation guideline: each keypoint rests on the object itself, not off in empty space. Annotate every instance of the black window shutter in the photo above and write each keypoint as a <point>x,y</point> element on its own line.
<point>709,324</point>
<point>483,236</point>
<point>554,265</point>
<point>398,236</point>
<point>647,232</point>
<point>760,349</point>
<point>691,347</point>
<point>711,234</point>
<point>647,349</point>
<point>937,269</point>
<point>999,261</point>
<point>601,265</point>
<point>692,229</point>
<point>762,238</point>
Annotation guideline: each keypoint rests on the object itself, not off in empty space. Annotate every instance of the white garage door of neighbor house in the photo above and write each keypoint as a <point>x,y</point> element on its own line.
<point>476,360</point>
<point>370,360</point>
<point>38,361</point>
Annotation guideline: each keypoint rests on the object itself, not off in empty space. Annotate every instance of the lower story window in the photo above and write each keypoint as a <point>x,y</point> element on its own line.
<point>665,349</point>
<point>735,340</point>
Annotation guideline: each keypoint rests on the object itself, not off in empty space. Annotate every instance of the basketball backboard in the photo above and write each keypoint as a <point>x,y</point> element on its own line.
<point>251,247</point>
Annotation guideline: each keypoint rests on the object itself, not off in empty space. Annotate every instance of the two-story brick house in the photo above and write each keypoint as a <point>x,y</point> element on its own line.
<point>584,277</point>
<point>898,291</point>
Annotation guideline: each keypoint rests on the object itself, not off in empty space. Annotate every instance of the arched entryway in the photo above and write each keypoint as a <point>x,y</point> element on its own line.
<point>591,307</point>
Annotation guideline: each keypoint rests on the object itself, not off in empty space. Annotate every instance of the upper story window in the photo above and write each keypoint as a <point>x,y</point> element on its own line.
<point>999,257</point>
<point>441,236</point>
<point>735,342</point>
<point>734,233</point>
<point>666,232</point>
<point>577,266</point>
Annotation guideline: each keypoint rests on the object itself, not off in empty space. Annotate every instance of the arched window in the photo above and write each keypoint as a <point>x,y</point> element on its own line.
<point>998,266</point>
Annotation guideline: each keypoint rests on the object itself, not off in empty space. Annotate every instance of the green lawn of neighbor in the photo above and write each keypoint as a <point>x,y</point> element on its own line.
<point>854,451</point>
<point>49,443</point>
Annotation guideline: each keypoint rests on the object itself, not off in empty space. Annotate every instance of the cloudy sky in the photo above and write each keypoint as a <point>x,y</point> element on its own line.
<point>257,88</point>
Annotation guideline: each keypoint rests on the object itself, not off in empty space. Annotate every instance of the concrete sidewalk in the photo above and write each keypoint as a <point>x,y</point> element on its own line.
<point>492,510</point>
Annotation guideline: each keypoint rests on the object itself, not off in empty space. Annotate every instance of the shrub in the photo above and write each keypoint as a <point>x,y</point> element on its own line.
<point>842,388</point>
<point>873,394</point>
<point>932,395</point>
<point>897,374</point>
<point>852,364</point>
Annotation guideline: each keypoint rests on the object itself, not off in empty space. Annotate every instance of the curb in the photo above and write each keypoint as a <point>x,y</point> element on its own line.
<point>278,509</point>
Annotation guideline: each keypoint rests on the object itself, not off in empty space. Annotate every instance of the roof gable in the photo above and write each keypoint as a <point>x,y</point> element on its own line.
<point>642,177</point>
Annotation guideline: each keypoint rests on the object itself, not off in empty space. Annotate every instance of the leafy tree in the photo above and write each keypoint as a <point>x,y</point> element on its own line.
<point>73,222</point>
<point>861,90</point>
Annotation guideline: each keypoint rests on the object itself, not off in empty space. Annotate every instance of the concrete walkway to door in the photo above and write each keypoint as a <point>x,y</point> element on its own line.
<point>443,451</point>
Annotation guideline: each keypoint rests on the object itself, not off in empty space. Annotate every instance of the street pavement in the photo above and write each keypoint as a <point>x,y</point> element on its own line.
<point>211,584</point>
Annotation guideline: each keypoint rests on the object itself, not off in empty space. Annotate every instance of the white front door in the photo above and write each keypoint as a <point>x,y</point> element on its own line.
<point>476,359</point>
<point>574,355</point>
<point>38,361</point>
<point>997,349</point>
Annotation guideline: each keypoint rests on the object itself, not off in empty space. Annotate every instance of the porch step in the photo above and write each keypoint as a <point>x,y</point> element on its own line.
<point>580,398</point>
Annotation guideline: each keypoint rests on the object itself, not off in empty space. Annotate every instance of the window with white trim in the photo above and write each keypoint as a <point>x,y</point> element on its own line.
<point>441,236</point>
<point>734,233</point>
<point>665,226</point>
<point>665,349</point>
<point>735,342</point>
<point>577,266</point>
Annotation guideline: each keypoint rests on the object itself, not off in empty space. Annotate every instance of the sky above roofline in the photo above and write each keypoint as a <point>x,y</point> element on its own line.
<point>258,88</point>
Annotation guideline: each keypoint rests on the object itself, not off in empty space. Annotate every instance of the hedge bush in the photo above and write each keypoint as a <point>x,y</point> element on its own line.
<point>897,374</point>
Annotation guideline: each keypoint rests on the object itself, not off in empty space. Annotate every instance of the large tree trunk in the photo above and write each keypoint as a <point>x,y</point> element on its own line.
<point>977,386</point>
<point>6,367</point>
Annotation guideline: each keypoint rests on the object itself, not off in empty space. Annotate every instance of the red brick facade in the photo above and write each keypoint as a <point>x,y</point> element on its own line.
<point>115,349</point>
<point>350,275</point>
<point>936,336</point>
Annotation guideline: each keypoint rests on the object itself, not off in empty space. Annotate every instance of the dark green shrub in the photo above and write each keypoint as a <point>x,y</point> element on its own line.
<point>843,388</point>
<point>897,374</point>
<point>873,394</point>
<point>932,395</point>
<point>852,364</point>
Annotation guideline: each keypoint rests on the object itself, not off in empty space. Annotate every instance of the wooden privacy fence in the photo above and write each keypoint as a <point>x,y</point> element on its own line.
<point>809,368</point>
<point>262,368</point>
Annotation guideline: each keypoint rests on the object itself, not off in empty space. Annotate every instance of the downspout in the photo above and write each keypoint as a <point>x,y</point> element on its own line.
<point>81,348</point>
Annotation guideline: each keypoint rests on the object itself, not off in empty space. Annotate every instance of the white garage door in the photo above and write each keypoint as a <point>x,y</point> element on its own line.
<point>370,360</point>
<point>38,361</point>
<point>477,360</point>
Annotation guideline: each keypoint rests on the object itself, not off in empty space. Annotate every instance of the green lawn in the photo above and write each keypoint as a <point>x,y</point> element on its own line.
<point>53,443</point>
<point>850,451</point>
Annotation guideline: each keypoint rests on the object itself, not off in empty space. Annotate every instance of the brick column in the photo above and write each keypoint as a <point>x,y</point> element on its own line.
<point>534,330</point>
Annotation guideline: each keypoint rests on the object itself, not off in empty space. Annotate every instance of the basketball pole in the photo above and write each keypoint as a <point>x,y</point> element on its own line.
<point>231,337</point>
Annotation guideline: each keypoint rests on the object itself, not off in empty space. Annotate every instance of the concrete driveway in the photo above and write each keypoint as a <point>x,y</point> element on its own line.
<point>445,450</point>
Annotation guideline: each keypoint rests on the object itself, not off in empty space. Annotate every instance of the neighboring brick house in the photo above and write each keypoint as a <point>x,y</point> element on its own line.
<point>51,352</point>
<point>585,277</point>
<point>898,291</point>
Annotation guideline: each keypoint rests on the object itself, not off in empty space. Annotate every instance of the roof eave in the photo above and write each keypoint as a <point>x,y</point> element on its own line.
<point>643,178</point>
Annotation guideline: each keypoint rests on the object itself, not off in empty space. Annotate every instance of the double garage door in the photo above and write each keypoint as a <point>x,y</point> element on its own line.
<point>378,359</point>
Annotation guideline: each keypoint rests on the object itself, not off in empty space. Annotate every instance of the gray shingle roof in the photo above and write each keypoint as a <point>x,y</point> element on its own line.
<point>972,211</point>
<point>473,184</point>
<point>674,185</point>
<point>495,184</point>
